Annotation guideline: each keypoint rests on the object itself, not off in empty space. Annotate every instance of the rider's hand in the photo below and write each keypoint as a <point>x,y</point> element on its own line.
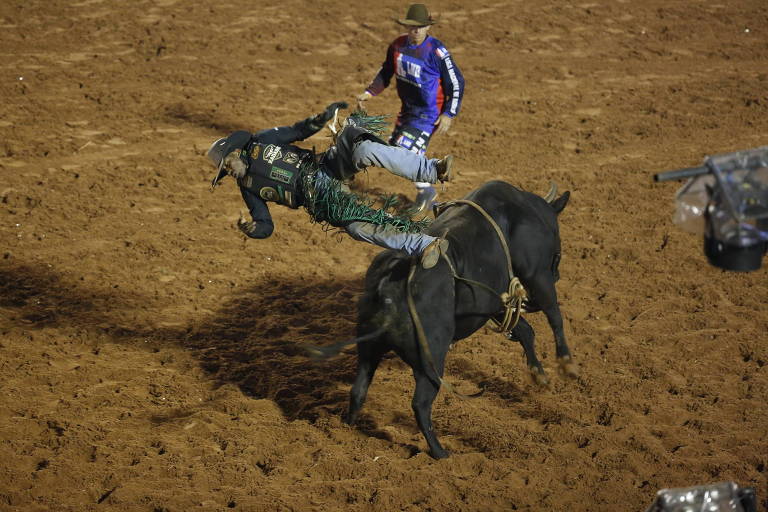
<point>362,98</point>
<point>235,165</point>
<point>443,124</point>
<point>246,226</point>
<point>330,111</point>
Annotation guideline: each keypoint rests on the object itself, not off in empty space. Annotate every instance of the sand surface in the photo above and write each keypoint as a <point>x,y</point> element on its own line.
<point>149,352</point>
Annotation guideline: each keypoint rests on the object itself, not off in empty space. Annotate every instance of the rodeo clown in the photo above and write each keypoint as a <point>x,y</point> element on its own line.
<point>429,84</point>
<point>269,168</point>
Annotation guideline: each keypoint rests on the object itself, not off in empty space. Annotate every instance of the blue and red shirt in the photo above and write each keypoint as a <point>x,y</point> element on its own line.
<point>429,83</point>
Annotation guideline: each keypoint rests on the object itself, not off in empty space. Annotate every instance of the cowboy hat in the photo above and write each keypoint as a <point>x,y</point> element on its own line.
<point>222,147</point>
<point>417,16</point>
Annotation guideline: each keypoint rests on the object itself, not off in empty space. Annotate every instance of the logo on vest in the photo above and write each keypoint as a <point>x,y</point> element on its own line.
<point>291,158</point>
<point>268,194</point>
<point>255,151</point>
<point>282,175</point>
<point>272,153</point>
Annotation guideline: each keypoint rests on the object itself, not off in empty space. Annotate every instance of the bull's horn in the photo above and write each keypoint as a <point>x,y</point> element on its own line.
<point>552,192</point>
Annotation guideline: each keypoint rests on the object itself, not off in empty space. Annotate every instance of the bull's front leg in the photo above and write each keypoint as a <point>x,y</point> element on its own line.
<point>523,333</point>
<point>564,359</point>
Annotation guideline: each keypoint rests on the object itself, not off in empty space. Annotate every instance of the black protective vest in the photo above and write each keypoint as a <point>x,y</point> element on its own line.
<point>274,172</point>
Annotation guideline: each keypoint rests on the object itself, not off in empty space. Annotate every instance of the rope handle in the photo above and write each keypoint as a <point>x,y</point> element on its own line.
<point>513,298</point>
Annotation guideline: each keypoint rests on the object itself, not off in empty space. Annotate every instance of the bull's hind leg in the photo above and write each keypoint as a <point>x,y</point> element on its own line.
<point>423,397</point>
<point>523,332</point>
<point>369,356</point>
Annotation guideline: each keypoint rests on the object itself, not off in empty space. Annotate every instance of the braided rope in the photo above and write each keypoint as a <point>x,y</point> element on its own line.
<point>512,299</point>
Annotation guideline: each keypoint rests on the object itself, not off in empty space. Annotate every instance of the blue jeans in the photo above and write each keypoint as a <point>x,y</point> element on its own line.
<point>397,160</point>
<point>401,162</point>
<point>389,237</point>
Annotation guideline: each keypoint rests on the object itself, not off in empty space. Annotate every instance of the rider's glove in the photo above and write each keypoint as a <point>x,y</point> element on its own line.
<point>235,165</point>
<point>246,226</point>
<point>326,115</point>
<point>331,109</point>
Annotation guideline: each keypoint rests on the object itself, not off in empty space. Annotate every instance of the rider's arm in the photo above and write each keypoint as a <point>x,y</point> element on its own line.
<point>261,225</point>
<point>301,130</point>
<point>288,134</point>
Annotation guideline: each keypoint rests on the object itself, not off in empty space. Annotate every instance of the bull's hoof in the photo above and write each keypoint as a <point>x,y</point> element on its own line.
<point>442,454</point>
<point>539,377</point>
<point>567,367</point>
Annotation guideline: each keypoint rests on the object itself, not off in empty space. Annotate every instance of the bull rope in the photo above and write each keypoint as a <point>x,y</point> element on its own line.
<point>424,343</point>
<point>512,299</point>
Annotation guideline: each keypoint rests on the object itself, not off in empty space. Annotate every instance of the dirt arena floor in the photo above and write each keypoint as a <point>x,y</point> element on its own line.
<point>149,352</point>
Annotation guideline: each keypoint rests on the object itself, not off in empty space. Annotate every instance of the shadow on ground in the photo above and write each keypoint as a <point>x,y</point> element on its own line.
<point>254,340</point>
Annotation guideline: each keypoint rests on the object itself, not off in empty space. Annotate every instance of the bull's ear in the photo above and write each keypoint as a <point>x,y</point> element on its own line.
<point>559,203</point>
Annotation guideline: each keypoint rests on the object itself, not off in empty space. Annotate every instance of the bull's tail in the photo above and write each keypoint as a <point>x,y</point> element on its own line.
<point>317,352</point>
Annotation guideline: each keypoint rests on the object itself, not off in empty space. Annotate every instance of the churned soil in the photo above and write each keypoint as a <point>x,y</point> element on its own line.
<point>150,354</point>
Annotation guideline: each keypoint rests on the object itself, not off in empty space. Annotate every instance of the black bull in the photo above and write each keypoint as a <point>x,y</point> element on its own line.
<point>451,309</point>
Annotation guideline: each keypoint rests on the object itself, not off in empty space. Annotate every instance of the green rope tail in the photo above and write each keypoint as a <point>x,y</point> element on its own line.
<point>335,205</point>
<point>377,125</point>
